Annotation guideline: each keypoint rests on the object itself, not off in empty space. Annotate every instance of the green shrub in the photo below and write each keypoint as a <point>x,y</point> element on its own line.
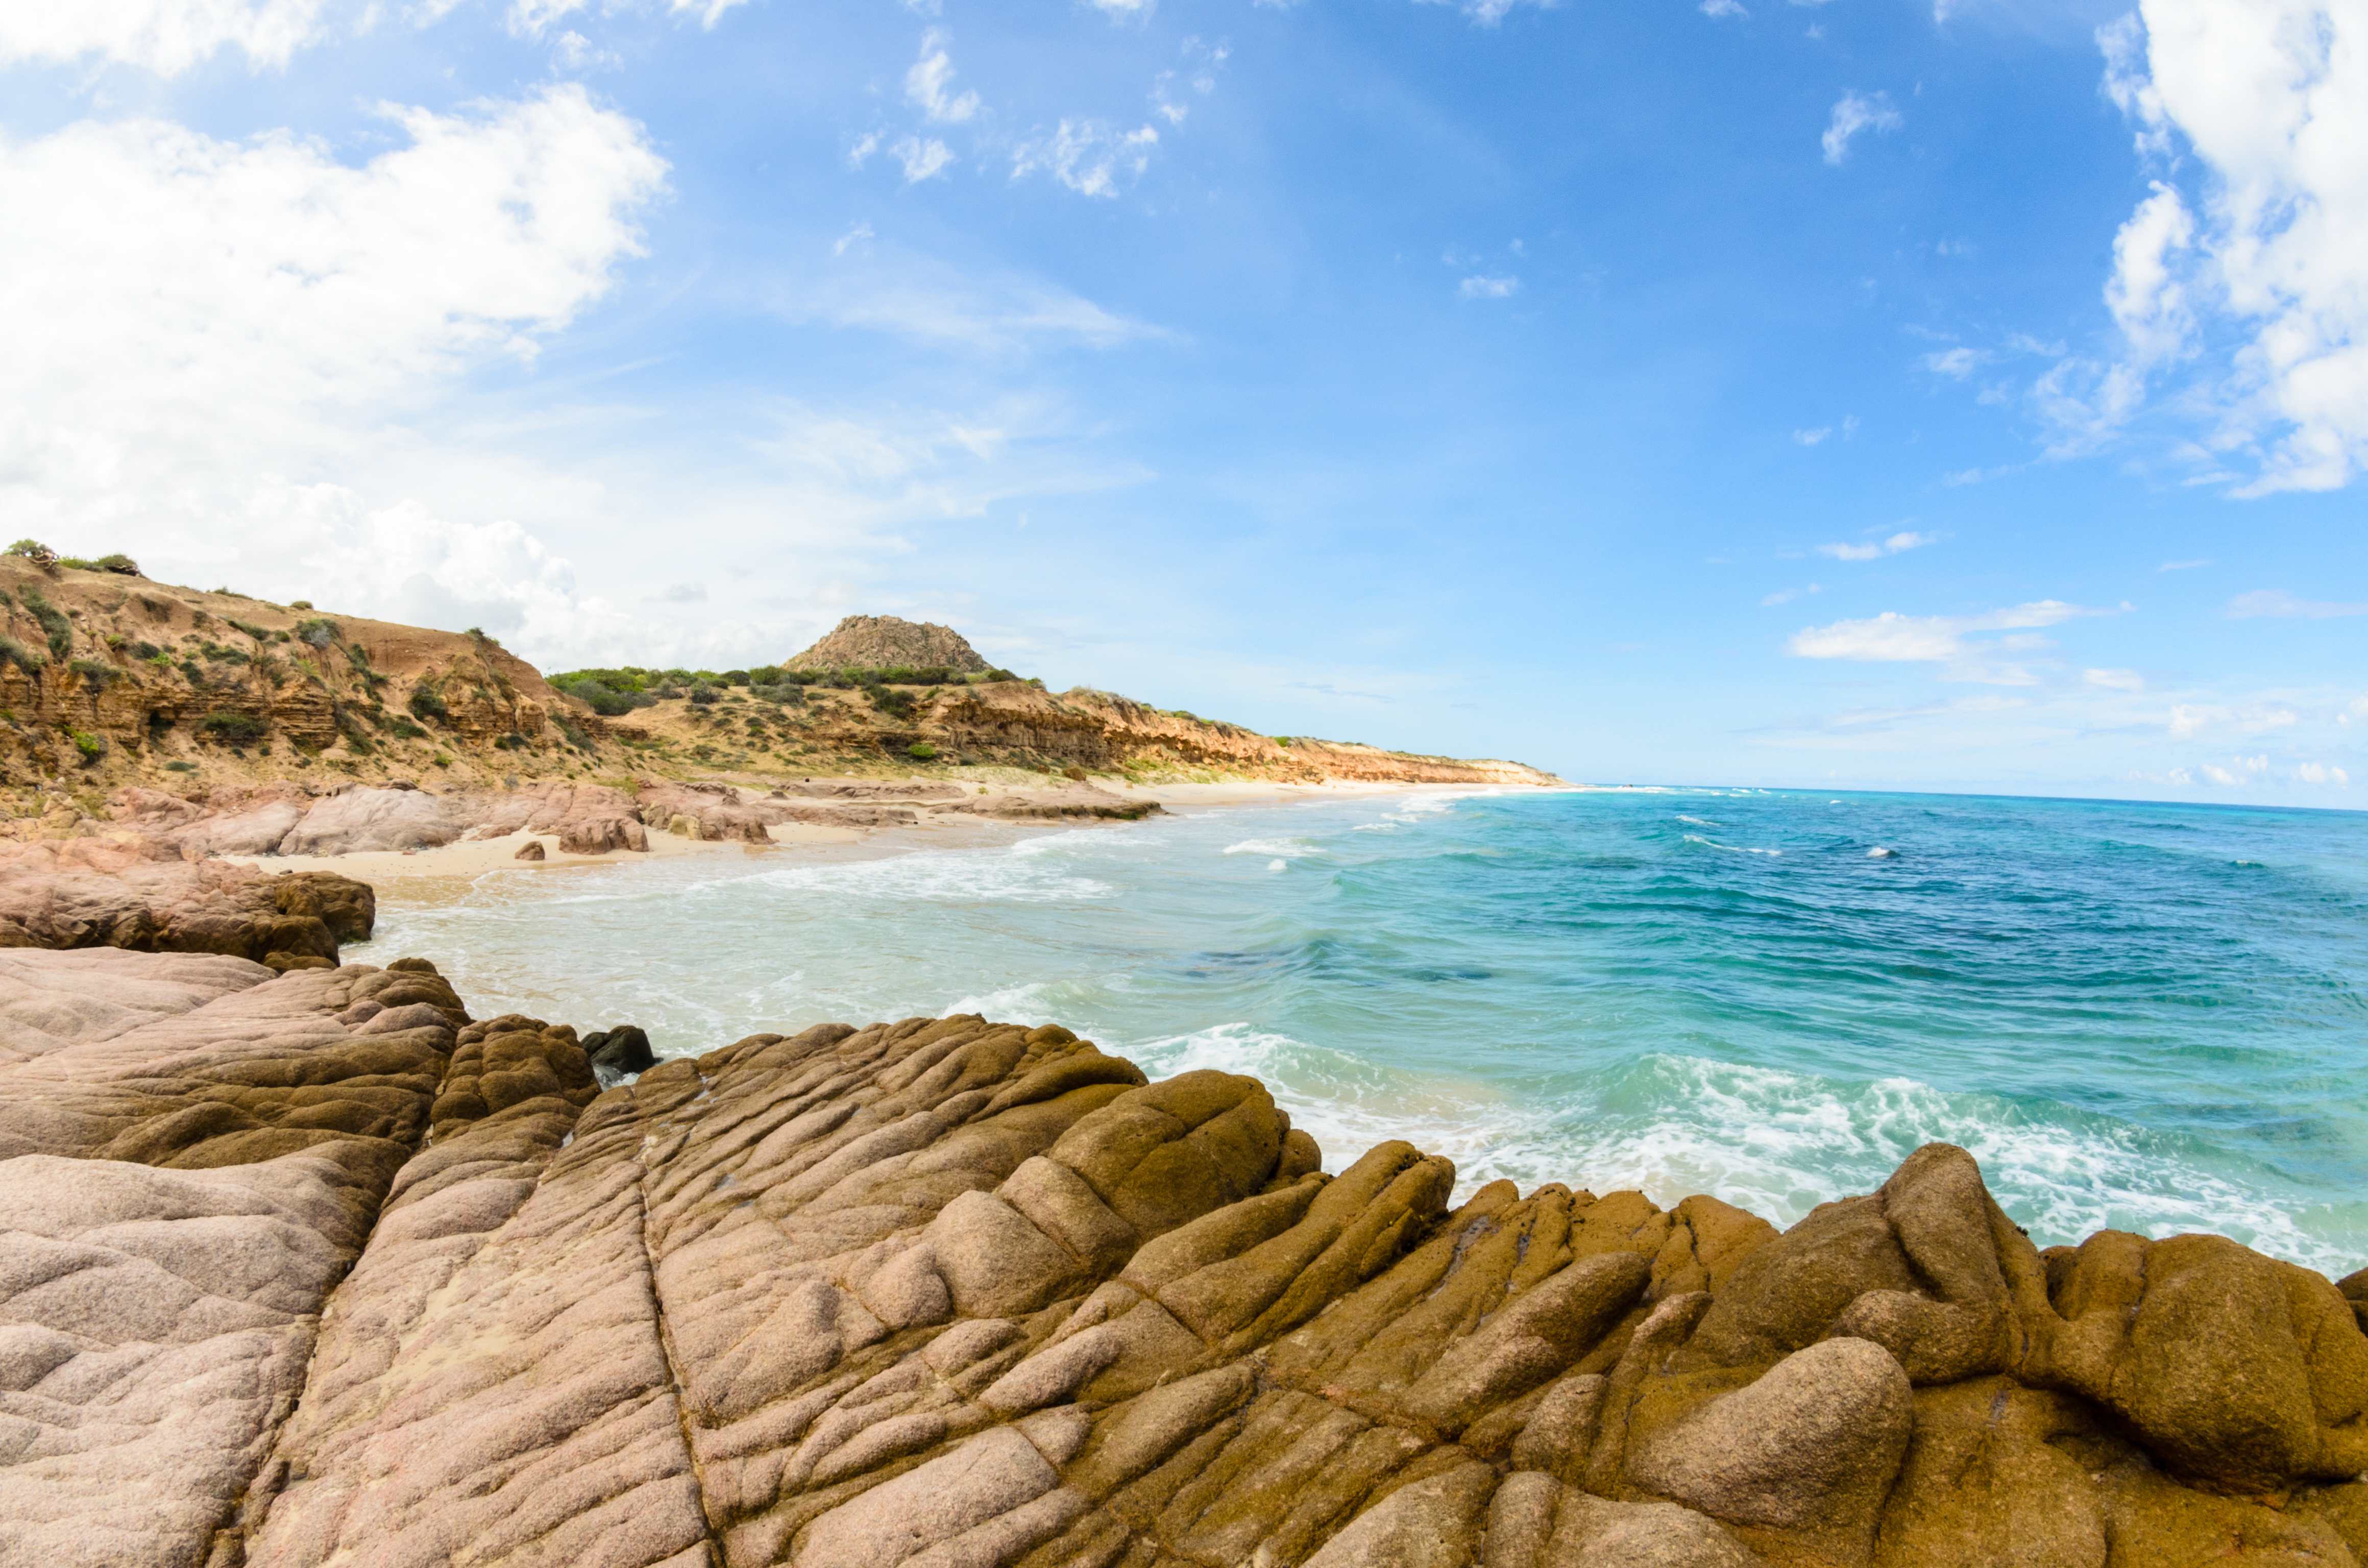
<point>511,742</point>
<point>402,728</point>
<point>117,563</point>
<point>231,728</point>
<point>149,654</point>
<point>34,551</point>
<point>733,677</point>
<point>1283,740</point>
<point>320,632</point>
<point>91,746</point>
<point>573,732</point>
<point>601,698</point>
<point>782,693</point>
<point>921,751</point>
<point>51,621</point>
<point>260,633</point>
<point>349,724</point>
<point>15,653</point>
<point>765,675</point>
<point>299,604</point>
<point>703,695</point>
<point>428,703</point>
<point>441,760</point>
<point>889,700</point>
<point>180,767</point>
<point>93,671</point>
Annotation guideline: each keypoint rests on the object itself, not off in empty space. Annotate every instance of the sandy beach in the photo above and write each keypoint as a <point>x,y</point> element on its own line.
<point>468,859</point>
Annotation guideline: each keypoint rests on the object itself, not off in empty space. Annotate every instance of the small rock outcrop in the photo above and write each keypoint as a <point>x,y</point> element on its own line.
<point>311,1269</point>
<point>885,642</point>
<point>90,893</point>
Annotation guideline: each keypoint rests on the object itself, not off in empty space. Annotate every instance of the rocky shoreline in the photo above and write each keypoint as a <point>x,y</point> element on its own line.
<point>311,1267</point>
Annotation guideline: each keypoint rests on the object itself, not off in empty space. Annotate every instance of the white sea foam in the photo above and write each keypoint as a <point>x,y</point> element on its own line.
<point>1882,852</point>
<point>1699,822</point>
<point>1730,848</point>
<point>1280,849</point>
<point>1277,864</point>
<point>1014,875</point>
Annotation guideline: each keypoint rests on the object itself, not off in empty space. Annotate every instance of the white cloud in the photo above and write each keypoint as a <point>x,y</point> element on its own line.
<point>2115,680</point>
<point>923,157</point>
<point>1959,362</point>
<point>1786,596</point>
<point>1723,8</point>
<point>1855,114</point>
<point>533,18</point>
<point>2276,602</point>
<point>2323,774</point>
<point>1088,156</point>
<point>929,300</point>
<point>928,86</point>
<point>1894,638</point>
<point>856,239</point>
<point>206,336</point>
<point>1125,10</point>
<point>1876,549</point>
<point>1813,437</point>
<point>167,37</point>
<point>1486,13</point>
<point>865,145</point>
<point>2264,231</point>
<point>1483,286</point>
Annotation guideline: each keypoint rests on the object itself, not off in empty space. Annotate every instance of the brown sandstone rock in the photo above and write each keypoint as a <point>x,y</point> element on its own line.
<point>92,893</point>
<point>948,1292</point>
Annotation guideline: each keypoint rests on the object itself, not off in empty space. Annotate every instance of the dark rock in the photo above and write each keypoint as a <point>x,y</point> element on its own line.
<point>620,1052</point>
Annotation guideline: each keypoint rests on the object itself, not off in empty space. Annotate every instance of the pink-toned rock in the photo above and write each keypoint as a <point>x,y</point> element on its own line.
<point>96,893</point>
<point>371,819</point>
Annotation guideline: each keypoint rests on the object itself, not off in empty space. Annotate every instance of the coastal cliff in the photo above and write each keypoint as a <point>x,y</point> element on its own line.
<point>313,1268</point>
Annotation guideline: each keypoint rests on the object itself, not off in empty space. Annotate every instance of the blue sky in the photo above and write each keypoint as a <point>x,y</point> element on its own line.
<point>1846,395</point>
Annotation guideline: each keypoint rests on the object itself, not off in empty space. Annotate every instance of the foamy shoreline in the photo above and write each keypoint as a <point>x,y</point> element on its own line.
<point>467,860</point>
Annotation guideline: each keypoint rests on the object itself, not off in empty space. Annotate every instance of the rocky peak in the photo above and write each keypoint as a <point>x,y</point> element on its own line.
<point>887,642</point>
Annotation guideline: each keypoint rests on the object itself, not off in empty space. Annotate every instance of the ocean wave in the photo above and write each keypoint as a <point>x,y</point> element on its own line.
<point>1006,876</point>
<point>1730,848</point>
<point>1699,822</point>
<point>1277,849</point>
<point>1882,852</point>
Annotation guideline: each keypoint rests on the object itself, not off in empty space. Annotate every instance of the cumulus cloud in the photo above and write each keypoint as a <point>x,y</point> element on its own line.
<point>1087,155</point>
<point>208,335</point>
<point>167,37</point>
<point>2263,232</point>
<point>2279,604</point>
<point>1875,549</point>
<point>2323,774</point>
<point>1483,285</point>
<point>1857,114</point>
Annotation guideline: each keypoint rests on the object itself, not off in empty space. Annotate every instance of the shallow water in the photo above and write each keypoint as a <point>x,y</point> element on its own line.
<point>2137,1015</point>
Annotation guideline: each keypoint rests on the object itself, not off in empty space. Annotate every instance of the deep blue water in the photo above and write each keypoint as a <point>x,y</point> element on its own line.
<point>2141,1016</point>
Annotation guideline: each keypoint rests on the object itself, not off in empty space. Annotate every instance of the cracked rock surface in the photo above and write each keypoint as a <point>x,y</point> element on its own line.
<point>313,1269</point>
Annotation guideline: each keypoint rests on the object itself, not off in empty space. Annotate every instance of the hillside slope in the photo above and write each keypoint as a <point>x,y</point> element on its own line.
<point>109,680</point>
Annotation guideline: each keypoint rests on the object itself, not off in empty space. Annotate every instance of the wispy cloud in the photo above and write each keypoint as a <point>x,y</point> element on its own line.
<point>1088,156</point>
<point>1956,363</point>
<point>2115,680</point>
<point>1875,549</point>
<point>2279,604</point>
<point>928,86</point>
<point>1723,8</point>
<point>1786,596</point>
<point>923,157</point>
<point>1858,114</point>
<point>2183,565</point>
<point>1948,640</point>
<point>1482,286</point>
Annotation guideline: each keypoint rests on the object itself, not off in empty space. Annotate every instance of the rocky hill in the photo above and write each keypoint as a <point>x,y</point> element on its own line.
<point>885,642</point>
<point>314,1269</point>
<point>109,680</point>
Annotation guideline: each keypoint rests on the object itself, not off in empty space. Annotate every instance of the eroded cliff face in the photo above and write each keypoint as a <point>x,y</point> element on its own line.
<point>308,1270</point>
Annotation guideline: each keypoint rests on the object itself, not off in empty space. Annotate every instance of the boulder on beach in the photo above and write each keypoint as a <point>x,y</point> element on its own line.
<point>315,1269</point>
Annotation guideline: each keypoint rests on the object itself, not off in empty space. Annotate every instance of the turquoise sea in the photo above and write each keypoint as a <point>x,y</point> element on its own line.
<point>2147,1016</point>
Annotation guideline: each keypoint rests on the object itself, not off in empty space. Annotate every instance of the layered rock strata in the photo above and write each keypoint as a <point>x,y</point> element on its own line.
<point>948,1292</point>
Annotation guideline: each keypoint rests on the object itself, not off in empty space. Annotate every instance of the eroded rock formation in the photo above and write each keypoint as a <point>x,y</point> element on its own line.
<point>88,893</point>
<point>948,1292</point>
